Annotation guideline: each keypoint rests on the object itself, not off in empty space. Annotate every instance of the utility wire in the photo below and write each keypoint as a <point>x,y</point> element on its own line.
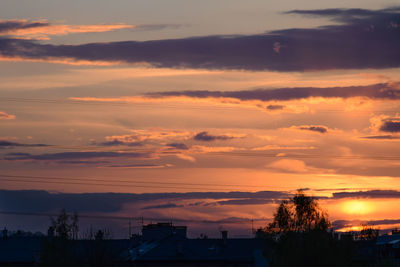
<point>127,103</point>
<point>109,217</point>
<point>133,181</point>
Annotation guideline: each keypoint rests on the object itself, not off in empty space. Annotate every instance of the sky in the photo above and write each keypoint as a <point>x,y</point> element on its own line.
<point>205,113</point>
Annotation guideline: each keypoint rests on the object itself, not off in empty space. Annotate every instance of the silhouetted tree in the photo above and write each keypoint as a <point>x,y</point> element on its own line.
<point>300,214</point>
<point>65,226</point>
<point>58,249</point>
<point>300,236</point>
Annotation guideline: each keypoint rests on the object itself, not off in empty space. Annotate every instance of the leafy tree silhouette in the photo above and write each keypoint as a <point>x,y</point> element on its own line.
<point>299,236</point>
<point>300,214</point>
<point>59,250</point>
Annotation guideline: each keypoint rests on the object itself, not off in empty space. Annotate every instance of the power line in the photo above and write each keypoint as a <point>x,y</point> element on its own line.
<point>249,153</point>
<point>134,181</point>
<point>127,103</point>
<point>148,184</point>
<point>127,218</point>
<point>108,185</point>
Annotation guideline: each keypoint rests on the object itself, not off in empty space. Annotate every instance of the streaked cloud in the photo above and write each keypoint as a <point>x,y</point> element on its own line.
<point>163,206</point>
<point>151,134</point>
<point>8,144</point>
<point>376,91</point>
<point>279,147</point>
<point>313,128</point>
<point>43,201</point>
<point>368,194</point>
<point>75,155</point>
<point>291,166</point>
<point>42,30</point>
<point>180,146</point>
<point>116,142</point>
<point>205,136</point>
<point>136,166</point>
<point>381,137</point>
<point>356,46</point>
<point>273,101</point>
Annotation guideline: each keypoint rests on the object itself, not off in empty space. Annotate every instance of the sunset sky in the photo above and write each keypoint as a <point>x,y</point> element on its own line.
<point>199,110</point>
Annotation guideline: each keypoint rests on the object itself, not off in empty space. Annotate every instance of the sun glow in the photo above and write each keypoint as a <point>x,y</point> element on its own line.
<point>359,207</point>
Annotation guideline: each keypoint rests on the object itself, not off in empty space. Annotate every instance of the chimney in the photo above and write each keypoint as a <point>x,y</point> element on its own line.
<point>224,236</point>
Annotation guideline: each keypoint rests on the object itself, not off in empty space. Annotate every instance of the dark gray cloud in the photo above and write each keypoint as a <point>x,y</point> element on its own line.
<point>275,107</point>
<point>376,91</point>
<point>350,15</point>
<point>8,144</point>
<point>180,146</point>
<point>368,194</point>
<point>13,25</point>
<point>134,166</point>
<point>338,224</point>
<point>363,39</point>
<point>117,142</point>
<point>314,128</point>
<point>249,201</point>
<point>163,206</point>
<point>205,136</point>
<point>156,27</point>
<point>84,162</point>
<point>43,201</point>
<point>74,155</point>
<point>381,137</point>
<point>391,126</point>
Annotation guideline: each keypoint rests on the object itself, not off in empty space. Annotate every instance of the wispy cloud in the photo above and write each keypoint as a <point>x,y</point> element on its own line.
<point>291,166</point>
<point>42,30</point>
<point>313,128</point>
<point>75,155</point>
<point>8,144</point>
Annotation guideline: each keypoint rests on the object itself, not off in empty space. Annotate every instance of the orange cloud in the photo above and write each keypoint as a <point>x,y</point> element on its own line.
<point>186,157</point>
<point>385,123</point>
<point>276,147</point>
<point>5,116</point>
<point>41,30</point>
<point>293,166</point>
<point>67,61</point>
<point>268,106</point>
<point>150,135</point>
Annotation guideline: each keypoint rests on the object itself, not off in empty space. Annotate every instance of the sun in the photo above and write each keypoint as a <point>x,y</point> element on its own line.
<point>357,207</point>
